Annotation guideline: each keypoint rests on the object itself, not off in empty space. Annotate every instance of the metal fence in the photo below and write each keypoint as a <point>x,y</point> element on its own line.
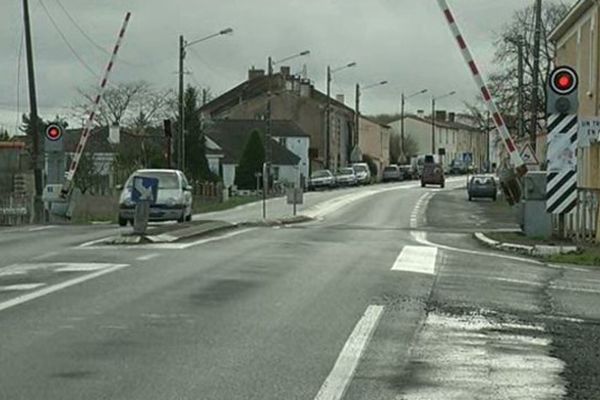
<point>15,209</point>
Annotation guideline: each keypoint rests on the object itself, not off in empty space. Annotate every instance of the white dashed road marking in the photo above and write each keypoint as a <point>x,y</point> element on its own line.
<point>147,257</point>
<point>22,286</point>
<point>337,382</point>
<point>420,259</point>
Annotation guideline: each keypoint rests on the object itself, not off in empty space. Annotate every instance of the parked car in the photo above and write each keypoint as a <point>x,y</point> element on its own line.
<point>405,172</point>
<point>346,177</point>
<point>321,179</point>
<point>433,174</point>
<point>458,167</point>
<point>363,174</point>
<point>174,197</point>
<point>482,186</point>
<point>391,173</point>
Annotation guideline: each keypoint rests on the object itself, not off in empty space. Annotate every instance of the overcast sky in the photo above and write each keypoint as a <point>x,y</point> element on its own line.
<point>405,42</point>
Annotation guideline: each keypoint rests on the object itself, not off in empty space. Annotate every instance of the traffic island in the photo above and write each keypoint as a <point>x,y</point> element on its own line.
<point>298,219</point>
<point>172,233</point>
<point>517,242</point>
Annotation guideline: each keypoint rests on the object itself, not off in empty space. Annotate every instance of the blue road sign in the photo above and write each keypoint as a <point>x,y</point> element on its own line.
<point>144,189</point>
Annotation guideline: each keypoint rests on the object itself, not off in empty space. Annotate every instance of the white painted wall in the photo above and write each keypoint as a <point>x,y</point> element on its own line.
<point>299,146</point>
<point>228,175</point>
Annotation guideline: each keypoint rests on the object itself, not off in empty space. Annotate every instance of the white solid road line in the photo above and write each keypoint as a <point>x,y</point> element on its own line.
<point>147,257</point>
<point>55,288</point>
<point>41,228</point>
<point>337,382</point>
<point>420,259</point>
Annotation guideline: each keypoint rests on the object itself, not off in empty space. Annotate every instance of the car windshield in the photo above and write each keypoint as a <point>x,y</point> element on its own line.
<point>390,169</point>
<point>166,180</point>
<point>345,171</point>
<point>360,168</point>
<point>321,174</point>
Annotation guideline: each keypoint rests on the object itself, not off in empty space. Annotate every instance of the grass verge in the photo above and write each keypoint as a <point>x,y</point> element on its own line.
<point>204,207</point>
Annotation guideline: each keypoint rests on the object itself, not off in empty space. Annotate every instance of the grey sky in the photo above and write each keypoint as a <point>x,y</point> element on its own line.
<point>403,41</point>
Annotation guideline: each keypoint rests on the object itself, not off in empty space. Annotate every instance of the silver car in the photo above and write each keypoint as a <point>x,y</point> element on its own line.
<point>346,177</point>
<point>321,179</point>
<point>174,198</point>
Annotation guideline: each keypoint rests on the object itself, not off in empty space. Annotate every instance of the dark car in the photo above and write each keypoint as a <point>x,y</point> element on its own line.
<point>405,172</point>
<point>391,173</point>
<point>481,186</point>
<point>433,174</point>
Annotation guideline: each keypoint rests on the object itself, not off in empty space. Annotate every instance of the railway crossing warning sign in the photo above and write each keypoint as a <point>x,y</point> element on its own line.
<point>562,105</point>
<point>528,155</point>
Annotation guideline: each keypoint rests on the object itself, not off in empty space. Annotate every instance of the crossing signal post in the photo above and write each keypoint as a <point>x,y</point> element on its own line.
<point>562,106</point>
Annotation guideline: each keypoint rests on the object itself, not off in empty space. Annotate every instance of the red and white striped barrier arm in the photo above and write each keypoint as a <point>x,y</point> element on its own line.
<point>68,185</point>
<point>515,157</point>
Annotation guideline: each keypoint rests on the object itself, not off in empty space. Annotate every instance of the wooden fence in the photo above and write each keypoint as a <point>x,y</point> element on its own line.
<point>581,225</point>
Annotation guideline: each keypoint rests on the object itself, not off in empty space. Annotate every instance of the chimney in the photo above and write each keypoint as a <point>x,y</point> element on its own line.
<point>440,115</point>
<point>254,73</point>
<point>340,98</point>
<point>421,114</point>
<point>305,88</point>
<point>285,71</point>
<point>451,117</point>
<point>114,134</point>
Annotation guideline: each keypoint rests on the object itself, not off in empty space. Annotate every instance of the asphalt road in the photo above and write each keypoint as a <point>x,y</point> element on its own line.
<point>384,296</point>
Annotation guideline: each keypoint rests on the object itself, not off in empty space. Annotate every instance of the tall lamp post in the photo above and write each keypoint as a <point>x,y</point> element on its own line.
<point>183,44</point>
<point>268,145</point>
<point>355,151</point>
<point>402,104</point>
<point>433,100</point>
<point>330,72</point>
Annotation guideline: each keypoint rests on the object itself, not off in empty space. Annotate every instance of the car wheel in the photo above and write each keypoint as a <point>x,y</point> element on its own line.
<point>422,184</point>
<point>181,220</point>
<point>442,185</point>
<point>470,198</point>
<point>122,221</point>
<point>189,217</point>
<point>494,198</point>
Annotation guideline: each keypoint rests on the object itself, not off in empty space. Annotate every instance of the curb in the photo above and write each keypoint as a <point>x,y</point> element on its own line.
<point>185,233</point>
<point>535,250</point>
<point>299,219</point>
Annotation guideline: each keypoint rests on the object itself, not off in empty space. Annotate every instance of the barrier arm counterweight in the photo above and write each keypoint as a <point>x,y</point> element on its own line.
<point>515,157</point>
<point>68,185</point>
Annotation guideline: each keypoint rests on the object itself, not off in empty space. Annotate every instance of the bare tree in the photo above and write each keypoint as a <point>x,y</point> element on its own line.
<point>504,81</point>
<point>133,104</point>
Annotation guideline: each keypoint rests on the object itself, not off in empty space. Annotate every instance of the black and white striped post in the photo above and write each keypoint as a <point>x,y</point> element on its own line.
<point>561,156</point>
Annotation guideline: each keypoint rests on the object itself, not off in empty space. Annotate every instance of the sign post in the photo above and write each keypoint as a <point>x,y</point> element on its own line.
<point>295,196</point>
<point>143,193</point>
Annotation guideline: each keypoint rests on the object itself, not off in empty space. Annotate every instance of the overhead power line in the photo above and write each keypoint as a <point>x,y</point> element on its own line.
<point>64,38</point>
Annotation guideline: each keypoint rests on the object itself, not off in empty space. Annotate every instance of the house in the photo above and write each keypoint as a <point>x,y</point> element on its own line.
<point>296,99</point>
<point>577,42</point>
<point>226,140</point>
<point>455,138</point>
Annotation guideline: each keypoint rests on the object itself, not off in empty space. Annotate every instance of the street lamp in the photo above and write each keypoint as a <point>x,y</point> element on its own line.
<point>182,46</point>
<point>330,72</point>
<point>433,100</point>
<point>354,155</point>
<point>268,147</point>
<point>402,103</point>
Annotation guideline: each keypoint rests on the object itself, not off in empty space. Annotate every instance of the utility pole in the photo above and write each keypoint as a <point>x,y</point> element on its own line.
<point>487,128</point>
<point>433,126</point>
<point>402,102</point>
<point>357,115</point>
<point>33,121</point>
<point>268,133</point>
<point>181,135</point>
<point>535,73</point>
<point>521,83</point>
<point>328,122</point>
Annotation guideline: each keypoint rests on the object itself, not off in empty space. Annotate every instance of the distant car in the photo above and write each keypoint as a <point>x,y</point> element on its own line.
<point>433,174</point>
<point>363,174</point>
<point>391,173</point>
<point>482,186</point>
<point>174,197</point>
<point>346,177</point>
<point>321,179</point>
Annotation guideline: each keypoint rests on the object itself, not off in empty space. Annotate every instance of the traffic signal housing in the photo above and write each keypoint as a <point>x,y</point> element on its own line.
<point>54,138</point>
<point>562,91</point>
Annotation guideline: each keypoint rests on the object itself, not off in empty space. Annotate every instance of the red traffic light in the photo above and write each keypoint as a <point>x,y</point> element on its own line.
<point>53,132</point>
<point>563,80</point>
